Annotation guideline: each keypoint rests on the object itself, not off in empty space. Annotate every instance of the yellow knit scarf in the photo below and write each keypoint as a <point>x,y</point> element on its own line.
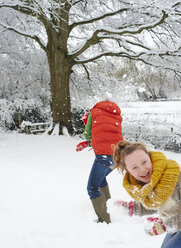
<point>162,183</point>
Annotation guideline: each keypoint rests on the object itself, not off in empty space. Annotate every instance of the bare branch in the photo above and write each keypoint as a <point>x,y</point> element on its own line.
<point>87,72</point>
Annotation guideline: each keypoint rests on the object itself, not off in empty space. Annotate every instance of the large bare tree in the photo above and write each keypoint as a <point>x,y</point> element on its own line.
<point>76,32</point>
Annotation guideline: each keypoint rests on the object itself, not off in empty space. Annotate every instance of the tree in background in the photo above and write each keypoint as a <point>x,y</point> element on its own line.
<point>24,82</point>
<point>76,32</point>
<point>107,75</point>
<point>23,67</point>
<point>154,83</point>
<point>153,80</point>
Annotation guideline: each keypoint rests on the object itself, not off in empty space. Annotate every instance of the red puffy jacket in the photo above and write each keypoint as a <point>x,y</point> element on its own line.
<point>106,127</point>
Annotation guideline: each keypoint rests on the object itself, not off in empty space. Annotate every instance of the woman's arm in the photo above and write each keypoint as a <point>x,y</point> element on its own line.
<point>140,210</point>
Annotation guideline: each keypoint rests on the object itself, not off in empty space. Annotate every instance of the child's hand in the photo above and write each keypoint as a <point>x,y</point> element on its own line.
<point>127,205</point>
<point>81,146</point>
<point>155,226</point>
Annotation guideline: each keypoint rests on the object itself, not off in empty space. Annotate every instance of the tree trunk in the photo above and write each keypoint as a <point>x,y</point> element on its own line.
<point>60,68</point>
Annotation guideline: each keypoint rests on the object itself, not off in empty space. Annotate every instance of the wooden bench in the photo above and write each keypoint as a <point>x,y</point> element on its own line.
<point>33,128</point>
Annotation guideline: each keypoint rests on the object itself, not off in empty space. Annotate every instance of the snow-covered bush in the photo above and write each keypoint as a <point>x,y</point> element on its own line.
<point>77,122</point>
<point>12,113</point>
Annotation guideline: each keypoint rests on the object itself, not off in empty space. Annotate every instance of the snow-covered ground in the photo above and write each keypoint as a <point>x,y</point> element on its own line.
<point>162,118</point>
<point>44,203</point>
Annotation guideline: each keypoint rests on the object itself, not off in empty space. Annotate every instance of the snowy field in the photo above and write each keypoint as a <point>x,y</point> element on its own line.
<point>44,203</point>
<point>43,197</point>
<point>152,117</point>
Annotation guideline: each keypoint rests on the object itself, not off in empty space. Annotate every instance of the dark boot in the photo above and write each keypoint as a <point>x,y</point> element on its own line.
<point>100,209</point>
<point>105,191</point>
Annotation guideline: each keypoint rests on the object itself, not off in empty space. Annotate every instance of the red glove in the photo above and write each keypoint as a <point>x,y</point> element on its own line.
<point>128,205</point>
<point>81,146</point>
<point>155,226</point>
<point>85,117</point>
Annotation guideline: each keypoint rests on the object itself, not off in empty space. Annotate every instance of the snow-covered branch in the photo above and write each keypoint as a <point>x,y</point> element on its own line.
<point>34,37</point>
<point>106,54</point>
<point>23,9</point>
<point>135,30</point>
<point>98,18</point>
<point>109,33</point>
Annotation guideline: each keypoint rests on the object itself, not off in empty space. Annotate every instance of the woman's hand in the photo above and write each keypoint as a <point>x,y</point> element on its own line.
<point>127,205</point>
<point>155,226</point>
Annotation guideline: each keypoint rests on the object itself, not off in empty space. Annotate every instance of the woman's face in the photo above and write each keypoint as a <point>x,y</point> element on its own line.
<point>139,165</point>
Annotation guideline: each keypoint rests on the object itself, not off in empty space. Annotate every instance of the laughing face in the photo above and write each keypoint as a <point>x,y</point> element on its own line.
<point>139,165</point>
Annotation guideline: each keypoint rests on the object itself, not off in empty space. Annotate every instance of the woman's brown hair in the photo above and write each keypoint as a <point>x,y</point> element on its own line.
<point>124,148</point>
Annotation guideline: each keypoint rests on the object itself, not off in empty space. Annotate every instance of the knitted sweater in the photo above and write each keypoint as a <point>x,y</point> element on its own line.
<point>172,223</point>
<point>153,195</point>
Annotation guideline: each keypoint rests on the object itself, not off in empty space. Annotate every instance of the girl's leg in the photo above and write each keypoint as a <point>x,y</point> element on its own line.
<point>97,177</point>
<point>111,163</point>
<point>98,173</point>
<point>172,240</point>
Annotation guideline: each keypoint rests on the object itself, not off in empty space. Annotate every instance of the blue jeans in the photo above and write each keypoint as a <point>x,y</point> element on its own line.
<point>97,178</point>
<point>172,240</point>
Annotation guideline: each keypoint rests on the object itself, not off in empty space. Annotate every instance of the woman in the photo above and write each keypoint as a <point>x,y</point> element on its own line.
<point>154,182</point>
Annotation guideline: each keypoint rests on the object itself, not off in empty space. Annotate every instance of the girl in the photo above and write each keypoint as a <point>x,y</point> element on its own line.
<point>103,129</point>
<point>154,182</point>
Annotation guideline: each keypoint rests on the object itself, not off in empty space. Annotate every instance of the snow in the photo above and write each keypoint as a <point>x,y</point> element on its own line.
<point>44,202</point>
<point>43,181</point>
<point>161,118</point>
